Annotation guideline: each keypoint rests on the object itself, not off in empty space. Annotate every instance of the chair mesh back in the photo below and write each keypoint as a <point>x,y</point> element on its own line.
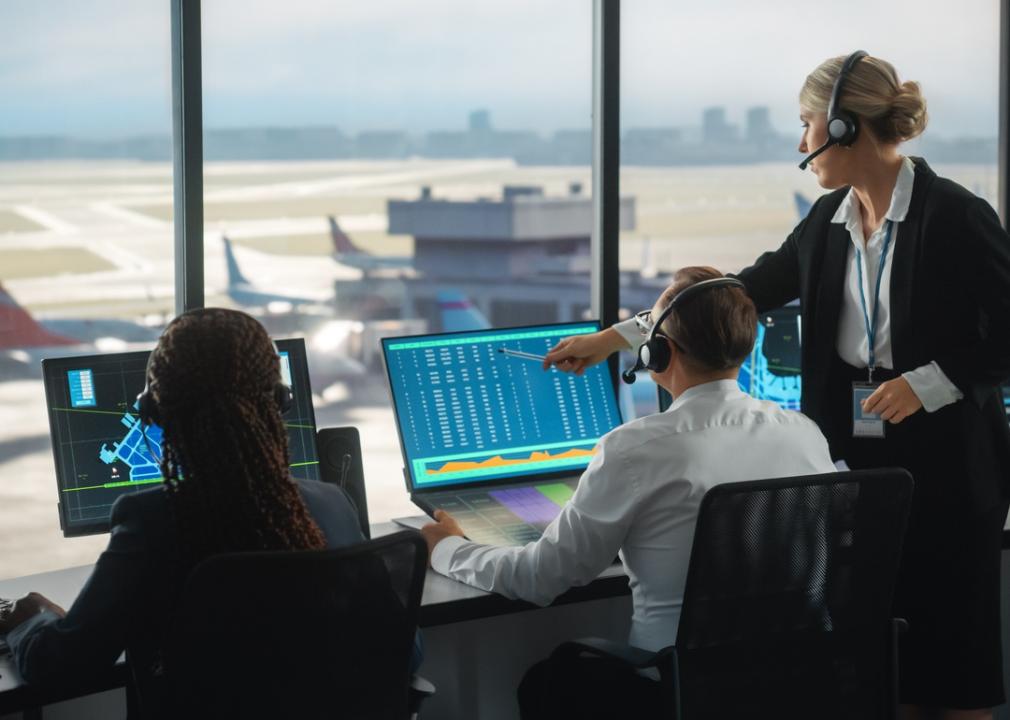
<point>316,634</point>
<point>788,596</point>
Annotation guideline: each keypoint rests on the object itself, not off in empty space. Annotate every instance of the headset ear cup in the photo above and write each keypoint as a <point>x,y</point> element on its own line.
<point>147,409</point>
<point>660,351</point>
<point>284,397</point>
<point>843,128</point>
<point>654,354</point>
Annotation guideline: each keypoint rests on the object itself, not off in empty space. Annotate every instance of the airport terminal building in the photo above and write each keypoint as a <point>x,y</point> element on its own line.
<point>520,259</point>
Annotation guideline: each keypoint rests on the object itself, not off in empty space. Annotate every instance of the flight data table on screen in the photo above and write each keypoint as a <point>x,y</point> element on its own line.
<point>468,412</point>
<point>102,449</point>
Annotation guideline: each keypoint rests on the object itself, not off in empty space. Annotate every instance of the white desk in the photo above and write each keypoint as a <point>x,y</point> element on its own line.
<point>477,644</point>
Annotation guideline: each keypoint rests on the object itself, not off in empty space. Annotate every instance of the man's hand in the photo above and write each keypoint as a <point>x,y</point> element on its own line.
<point>25,609</point>
<point>577,353</point>
<point>894,401</point>
<point>444,526</point>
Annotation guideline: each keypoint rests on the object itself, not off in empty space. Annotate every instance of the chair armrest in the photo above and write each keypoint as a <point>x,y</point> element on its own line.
<point>899,626</point>
<point>634,657</point>
<point>417,692</point>
<point>421,686</point>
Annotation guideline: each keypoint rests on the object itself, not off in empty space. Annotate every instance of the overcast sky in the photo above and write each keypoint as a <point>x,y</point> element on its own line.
<point>101,68</point>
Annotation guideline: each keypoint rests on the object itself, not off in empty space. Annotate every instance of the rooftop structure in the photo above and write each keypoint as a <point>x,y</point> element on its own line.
<point>523,232</point>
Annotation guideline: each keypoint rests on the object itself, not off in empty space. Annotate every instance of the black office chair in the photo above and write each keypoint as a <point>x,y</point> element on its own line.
<point>315,634</point>
<point>787,606</point>
<point>340,464</point>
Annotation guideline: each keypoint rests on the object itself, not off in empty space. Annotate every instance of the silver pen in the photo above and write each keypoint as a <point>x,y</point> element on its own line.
<point>521,354</point>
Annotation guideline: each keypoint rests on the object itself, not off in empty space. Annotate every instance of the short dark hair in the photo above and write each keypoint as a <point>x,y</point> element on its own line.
<point>714,329</point>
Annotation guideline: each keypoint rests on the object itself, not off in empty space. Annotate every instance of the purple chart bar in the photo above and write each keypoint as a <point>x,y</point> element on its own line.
<point>528,503</point>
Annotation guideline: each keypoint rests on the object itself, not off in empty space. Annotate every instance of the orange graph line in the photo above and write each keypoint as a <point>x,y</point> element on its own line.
<point>499,461</point>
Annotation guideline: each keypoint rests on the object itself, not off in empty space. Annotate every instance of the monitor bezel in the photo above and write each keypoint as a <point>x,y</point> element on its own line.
<point>82,529</point>
<point>407,475</point>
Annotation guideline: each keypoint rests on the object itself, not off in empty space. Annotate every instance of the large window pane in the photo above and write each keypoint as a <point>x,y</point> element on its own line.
<point>395,168</point>
<point>710,125</point>
<point>85,143</point>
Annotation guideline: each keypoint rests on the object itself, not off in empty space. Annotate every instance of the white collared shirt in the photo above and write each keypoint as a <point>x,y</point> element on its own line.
<point>928,382</point>
<point>640,495</point>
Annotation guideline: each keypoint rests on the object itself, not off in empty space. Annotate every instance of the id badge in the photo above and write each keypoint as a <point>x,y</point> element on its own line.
<point>865,425</point>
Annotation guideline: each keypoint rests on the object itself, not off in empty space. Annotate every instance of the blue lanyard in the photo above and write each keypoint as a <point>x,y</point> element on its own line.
<point>871,328</point>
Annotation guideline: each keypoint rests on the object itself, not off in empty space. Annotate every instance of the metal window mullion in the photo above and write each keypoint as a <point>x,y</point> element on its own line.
<point>187,154</point>
<point>1003,180</point>
<point>605,273</point>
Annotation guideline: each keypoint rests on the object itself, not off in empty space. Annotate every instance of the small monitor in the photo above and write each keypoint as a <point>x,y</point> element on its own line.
<point>469,413</point>
<point>102,450</point>
<point>772,370</point>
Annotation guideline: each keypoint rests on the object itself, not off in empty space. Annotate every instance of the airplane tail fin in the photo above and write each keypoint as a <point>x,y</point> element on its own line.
<point>235,276</point>
<point>458,313</point>
<point>342,244</point>
<point>18,329</point>
<point>802,205</point>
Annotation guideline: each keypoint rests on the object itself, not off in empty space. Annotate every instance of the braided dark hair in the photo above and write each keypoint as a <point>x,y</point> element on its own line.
<point>226,464</point>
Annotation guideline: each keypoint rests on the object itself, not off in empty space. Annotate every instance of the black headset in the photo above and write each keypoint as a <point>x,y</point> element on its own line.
<point>150,413</point>
<point>843,127</point>
<point>654,353</point>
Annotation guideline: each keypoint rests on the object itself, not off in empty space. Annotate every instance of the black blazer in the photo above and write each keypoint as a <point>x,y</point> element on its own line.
<point>124,604</point>
<point>950,303</point>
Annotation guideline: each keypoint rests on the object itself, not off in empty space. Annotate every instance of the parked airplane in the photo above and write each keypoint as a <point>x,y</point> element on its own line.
<point>346,252</point>
<point>25,341</point>
<point>243,292</point>
<point>325,339</point>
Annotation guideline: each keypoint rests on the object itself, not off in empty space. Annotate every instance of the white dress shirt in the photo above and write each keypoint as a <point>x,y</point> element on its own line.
<point>640,495</point>
<point>928,382</point>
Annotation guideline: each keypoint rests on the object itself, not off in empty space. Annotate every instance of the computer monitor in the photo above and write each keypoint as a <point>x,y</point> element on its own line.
<point>469,414</point>
<point>101,449</point>
<point>772,370</point>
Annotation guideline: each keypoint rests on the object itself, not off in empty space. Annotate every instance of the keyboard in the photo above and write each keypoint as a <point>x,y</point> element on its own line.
<point>505,515</point>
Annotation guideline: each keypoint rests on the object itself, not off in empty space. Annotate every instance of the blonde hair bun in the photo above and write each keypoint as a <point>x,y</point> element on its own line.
<point>908,111</point>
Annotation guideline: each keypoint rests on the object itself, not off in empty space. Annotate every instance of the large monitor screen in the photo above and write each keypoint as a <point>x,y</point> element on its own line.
<point>101,448</point>
<point>470,408</point>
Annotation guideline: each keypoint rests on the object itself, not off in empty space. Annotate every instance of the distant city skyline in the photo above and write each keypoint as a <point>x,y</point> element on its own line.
<point>100,70</point>
<point>717,141</point>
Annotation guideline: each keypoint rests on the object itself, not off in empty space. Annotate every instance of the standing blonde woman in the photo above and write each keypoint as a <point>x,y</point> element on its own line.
<point>904,279</point>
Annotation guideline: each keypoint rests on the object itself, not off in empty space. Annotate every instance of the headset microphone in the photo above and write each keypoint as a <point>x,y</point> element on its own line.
<point>818,151</point>
<point>629,376</point>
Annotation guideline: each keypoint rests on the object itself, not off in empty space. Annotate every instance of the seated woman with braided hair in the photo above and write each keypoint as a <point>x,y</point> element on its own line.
<point>213,379</point>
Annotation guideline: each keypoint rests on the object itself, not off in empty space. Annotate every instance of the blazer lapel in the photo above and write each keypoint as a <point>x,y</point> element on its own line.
<point>831,283</point>
<point>906,258</point>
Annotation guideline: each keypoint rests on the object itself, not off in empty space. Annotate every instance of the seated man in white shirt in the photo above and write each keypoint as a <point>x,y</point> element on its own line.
<point>641,493</point>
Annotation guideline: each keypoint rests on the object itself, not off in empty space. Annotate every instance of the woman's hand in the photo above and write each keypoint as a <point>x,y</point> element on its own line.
<point>577,353</point>
<point>894,401</point>
<point>25,609</point>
